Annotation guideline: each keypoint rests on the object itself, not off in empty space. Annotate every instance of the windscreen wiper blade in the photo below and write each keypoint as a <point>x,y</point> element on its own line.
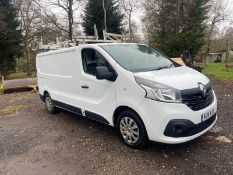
<point>160,68</point>
<point>164,67</point>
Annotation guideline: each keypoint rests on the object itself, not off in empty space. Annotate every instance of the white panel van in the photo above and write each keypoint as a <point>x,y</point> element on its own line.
<point>133,87</point>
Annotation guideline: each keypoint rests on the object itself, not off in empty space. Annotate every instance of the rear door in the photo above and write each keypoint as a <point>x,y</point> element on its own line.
<point>98,96</point>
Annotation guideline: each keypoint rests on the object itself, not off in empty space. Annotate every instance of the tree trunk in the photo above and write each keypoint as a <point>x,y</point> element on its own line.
<point>130,26</point>
<point>71,19</point>
<point>4,73</point>
<point>28,58</point>
<point>105,16</point>
<point>178,4</point>
<point>227,51</point>
<point>209,42</point>
<point>213,23</point>
<point>70,30</point>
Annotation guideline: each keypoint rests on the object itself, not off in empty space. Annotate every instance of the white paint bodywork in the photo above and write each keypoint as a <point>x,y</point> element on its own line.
<point>61,74</point>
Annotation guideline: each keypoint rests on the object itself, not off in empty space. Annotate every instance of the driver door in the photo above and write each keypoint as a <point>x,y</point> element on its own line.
<point>98,96</point>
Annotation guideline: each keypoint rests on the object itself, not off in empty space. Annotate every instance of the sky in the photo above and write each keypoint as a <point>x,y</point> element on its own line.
<point>229,11</point>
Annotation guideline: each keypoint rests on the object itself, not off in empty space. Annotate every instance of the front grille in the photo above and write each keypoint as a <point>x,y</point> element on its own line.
<point>196,101</point>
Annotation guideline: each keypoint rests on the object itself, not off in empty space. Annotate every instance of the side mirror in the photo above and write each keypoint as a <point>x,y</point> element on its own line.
<point>103,73</point>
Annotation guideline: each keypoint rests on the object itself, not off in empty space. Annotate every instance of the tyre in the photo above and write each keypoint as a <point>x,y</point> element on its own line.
<point>132,129</point>
<point>49,104</point>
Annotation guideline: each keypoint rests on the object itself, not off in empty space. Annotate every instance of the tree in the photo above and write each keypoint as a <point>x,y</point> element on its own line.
<point>175,27</point>
<point>63,21</point>
<point>228,36</point>
<point>10,36</point>
<point>129,6</point>
<point>94,14</point>
<point>29,22</point>
<point>217,14</point>
<point>135,33</point>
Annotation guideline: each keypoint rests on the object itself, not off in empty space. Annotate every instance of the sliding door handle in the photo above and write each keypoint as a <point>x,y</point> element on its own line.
<point>85,86</point>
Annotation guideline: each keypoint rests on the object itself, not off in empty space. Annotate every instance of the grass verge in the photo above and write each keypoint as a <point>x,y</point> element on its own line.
<point>217,70</point>
<point>20,75</point>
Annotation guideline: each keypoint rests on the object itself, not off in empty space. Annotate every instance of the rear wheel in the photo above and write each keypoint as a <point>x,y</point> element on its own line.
<point>49,104</point>
<point>132,129</point>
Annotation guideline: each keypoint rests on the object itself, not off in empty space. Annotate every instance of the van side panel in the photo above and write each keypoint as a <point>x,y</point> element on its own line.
<point>59,64</point>
<point>57,74</point>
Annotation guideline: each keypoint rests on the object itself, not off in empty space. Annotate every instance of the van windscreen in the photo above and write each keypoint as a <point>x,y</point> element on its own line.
<point>137,57</point>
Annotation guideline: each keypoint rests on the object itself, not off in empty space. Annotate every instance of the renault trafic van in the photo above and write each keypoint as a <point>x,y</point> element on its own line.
<point>133,87</point>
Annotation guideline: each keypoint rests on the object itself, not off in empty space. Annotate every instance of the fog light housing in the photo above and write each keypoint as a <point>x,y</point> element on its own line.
<point>176,128</point>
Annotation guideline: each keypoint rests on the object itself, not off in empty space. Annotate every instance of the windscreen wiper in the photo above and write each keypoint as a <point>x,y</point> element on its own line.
<point>164,67</point>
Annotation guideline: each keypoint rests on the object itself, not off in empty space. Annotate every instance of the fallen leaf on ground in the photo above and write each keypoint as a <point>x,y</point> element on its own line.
<point>223,139</point>
<point>165,156</point>
<point>12,109</point>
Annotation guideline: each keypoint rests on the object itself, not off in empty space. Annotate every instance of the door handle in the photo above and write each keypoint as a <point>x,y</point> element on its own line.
<point>85,86</point>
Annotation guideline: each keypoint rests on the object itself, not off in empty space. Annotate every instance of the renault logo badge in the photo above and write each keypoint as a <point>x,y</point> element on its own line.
<point>203,90</point>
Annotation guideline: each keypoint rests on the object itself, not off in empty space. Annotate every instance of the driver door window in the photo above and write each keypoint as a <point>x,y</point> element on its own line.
<point>92,59</point>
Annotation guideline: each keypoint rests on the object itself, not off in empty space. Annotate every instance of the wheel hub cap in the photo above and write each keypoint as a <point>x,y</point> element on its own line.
<point>48,103</point>
<point>129,130</point>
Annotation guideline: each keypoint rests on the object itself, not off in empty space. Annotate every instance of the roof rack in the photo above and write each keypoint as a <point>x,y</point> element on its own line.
<point>107,38</point>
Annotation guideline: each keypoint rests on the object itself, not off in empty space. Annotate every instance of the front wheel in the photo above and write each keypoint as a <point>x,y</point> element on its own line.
<point>132,129</point>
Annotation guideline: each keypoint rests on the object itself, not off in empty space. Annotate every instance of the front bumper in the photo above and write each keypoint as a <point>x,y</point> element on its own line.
<point>157,116</point>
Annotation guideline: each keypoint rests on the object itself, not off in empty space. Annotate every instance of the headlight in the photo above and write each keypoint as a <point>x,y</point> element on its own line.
<point>159,92</point>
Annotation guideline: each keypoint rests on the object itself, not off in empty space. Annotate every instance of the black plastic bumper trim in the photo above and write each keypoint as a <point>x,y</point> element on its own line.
<point>185,128</point>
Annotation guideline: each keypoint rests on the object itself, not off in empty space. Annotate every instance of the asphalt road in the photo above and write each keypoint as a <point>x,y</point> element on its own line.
<point>34,142</point>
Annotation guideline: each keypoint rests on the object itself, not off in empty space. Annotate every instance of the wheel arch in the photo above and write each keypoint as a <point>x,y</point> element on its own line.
<point>46,93</point>
<point>42,96</point>
<point>120,109</point>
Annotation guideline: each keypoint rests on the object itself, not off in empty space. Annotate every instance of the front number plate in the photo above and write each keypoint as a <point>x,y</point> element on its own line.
<point>207,115</point>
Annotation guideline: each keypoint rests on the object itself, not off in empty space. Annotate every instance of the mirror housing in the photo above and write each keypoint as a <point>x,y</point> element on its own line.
<point>103,73</point>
